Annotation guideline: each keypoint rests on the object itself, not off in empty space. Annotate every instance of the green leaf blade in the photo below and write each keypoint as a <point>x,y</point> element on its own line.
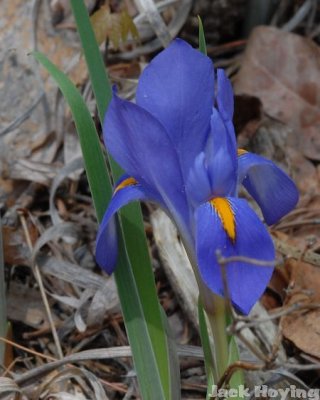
<point>202,38</point>
<point>208,355</point>
<point>99,79</point>
<point>143,337</point>
<point>99,180</point>
<point>131,216</point>
<point>237,379</point>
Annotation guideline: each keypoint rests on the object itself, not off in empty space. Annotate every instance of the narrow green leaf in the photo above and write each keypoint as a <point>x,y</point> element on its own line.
<point>99,79</point>
<point>208,355</point>
<point>173,360</point>
<point>202,38</point>
<point>238,377</point>
<point>3,309</point>
<point>131,222</point>
<point>95,165</point>
<point>131,216</point>
<point>138,330</point>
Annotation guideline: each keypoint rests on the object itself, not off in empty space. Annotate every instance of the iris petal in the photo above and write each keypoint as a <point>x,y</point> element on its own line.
<point>198,185</point>
<point>141,145</point>
<point>224,95</point>
<point>275,193</point>
<point>231,226</point>
<point>177,87</point>
<point>214,171</point>
<point>225,102</point>
<point>126,191</point>
<point>222,157</point>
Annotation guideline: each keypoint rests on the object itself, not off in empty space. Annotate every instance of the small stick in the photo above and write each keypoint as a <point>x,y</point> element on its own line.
<point>293,252</point>
<point>41,287</point>
<point>234,367</point>
<point>26,349</point>
<point>249,260</point>
<point>223,261</point>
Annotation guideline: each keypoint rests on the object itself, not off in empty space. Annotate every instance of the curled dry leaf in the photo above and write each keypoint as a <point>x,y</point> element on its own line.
<point>27,133</point>
<point>115,26</point>
<point>8,385</point>
<point>88,382</point>
<point>284,69</point>
<point>70,168</point>
<point>24,305</point>
<point>15,247</point>
<point>302,327</point>
<point>304,172</point>
<point>104,300</point>
<point>32,171</point>
<point>67,231</point>
<point>69,272</point>
<point>270,140</point>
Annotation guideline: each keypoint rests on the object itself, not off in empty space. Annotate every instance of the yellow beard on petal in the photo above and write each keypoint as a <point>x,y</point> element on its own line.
<point>226,215</point>
<point>126,182</point>
<point>241,152</point>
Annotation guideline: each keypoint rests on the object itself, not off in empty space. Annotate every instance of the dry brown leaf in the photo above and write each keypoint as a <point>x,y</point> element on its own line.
<point>304,172</point>
<point>27,144</point>
<point>15,247</point>
<point>25,305</point>
<point>115,26</point>
<point>128,27</point>
<point>32,171</point>
<point>302,328</point>
<point>101,21</point>
<point>275,294</point>
<point>284,69</point>
<point>125,70</point>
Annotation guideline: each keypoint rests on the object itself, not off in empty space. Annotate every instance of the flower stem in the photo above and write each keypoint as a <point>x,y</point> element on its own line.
<point>215,308</point>
<point>217,319</point>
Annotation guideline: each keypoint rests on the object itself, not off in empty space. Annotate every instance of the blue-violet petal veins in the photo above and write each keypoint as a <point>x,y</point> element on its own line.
<point>273,190</point>
<point>140,144</point>
<point>177,87</point>
<point>126,191</point>
<point>246,282</point>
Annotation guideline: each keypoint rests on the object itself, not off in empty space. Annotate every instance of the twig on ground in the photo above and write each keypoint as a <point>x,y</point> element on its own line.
<point>95,354</point>
<point>27,350</point>
<point>292,224</point>
<point>249,260</point>
<point>253,322</point>
<point>41,287</point>
<point>247,366</point>
<point>293,252</point>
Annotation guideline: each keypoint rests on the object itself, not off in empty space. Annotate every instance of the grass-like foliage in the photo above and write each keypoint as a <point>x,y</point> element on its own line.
<point>144,320</point>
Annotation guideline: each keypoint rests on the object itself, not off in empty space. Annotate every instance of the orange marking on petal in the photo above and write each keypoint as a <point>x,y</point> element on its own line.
<point>241,152</point>
<point>226,215</point>
<point>125,183</point>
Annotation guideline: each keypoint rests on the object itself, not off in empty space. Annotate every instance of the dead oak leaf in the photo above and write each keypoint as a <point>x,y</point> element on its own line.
<point>283,69</point>
<point>303,327</point>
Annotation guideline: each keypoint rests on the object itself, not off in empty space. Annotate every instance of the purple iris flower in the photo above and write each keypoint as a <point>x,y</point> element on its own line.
<point>178,147</point>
